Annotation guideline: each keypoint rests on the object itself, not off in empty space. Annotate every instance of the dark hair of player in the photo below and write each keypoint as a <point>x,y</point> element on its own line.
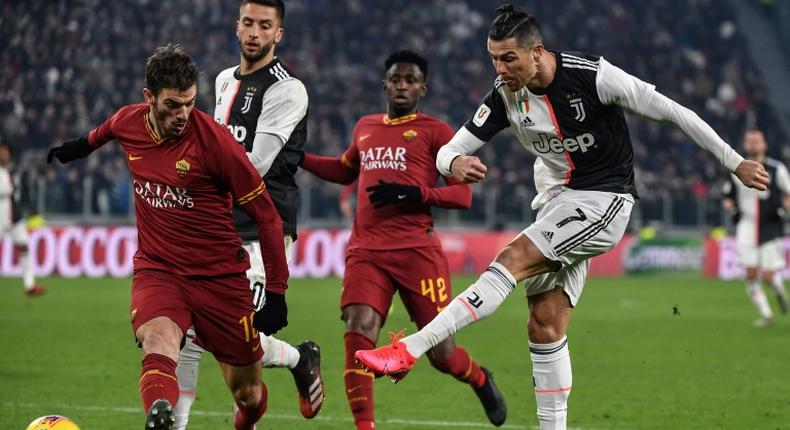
<point>279,5</point>
<point>406,56</point>
<point>511,22</point>
<point>170,67</point>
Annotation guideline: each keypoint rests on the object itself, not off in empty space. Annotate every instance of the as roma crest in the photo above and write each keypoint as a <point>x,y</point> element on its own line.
<point>409,135</point>
<point>182,168</point>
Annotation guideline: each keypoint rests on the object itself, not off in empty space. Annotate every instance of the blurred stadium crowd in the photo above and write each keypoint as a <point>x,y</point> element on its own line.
<point>67,65</point>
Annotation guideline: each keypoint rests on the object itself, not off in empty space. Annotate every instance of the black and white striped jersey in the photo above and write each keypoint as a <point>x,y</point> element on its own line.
<point>576,127</point>
<point>268,101</point>
<point>578,134</point>
<point>761,211</point>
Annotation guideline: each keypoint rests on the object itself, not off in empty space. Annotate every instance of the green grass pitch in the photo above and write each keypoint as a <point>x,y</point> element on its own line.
<point>636,365</point>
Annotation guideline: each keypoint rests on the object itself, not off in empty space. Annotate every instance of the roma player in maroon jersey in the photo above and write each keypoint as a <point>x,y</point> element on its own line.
<point>190,266</point>
<point>393,246</point>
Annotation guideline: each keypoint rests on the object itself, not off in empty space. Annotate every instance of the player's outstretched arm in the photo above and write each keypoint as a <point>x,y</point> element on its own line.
<point>337,170</point>
<point>70,150</point>
<point>618,87</point>
<point>82,146</point>
<point>453,158</point>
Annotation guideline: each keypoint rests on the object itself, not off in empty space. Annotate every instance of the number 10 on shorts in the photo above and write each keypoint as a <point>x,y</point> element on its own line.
<point>249,331</point>
<point>435,290</point>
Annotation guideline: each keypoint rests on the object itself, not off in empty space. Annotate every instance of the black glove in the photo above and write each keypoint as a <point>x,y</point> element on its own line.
<point>388,193</point>
<point>70,150</point>
<point>273,315</point>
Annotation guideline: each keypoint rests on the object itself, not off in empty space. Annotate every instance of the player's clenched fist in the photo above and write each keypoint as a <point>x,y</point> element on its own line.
<point>752,174</point>
<point>70,150</point>
<point>468,169</point>
<point>272,316</point>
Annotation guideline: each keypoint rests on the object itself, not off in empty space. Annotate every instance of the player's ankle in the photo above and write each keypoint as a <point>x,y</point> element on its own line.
<point>365,425</point>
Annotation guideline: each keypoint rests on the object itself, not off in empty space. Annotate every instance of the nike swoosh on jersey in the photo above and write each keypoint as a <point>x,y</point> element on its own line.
<point>361,138</point>
<point>132,157</point>
<point>401,196</point>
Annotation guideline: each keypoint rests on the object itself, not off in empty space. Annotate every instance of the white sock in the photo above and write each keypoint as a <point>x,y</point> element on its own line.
<point>277,353</point>
<point>28,277</point>
<point>757,294</point>
<point>777,283</point>
<point>551,370</point>
<point>478,301</point>
<point>187,374</point>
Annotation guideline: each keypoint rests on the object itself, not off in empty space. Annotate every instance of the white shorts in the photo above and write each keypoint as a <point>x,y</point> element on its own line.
<point>768,256</point>
<point>257,273</point>
<point>571,228</point>
<point>18,232</point>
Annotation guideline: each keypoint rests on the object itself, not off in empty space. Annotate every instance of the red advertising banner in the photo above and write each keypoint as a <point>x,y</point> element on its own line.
<point>107,251</point>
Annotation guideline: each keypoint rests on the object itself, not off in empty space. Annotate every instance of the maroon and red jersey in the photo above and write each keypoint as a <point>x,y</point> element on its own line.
<point>401,150</point>
<point>184,189</point>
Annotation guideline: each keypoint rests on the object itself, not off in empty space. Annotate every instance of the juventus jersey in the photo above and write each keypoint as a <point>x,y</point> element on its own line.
<point>271,101</point>
<point>761,211</point>
<point>580,138</point>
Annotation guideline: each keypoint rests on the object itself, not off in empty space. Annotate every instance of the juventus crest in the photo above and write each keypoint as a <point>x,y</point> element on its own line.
<point>578,107</point>
<point>248,99</point>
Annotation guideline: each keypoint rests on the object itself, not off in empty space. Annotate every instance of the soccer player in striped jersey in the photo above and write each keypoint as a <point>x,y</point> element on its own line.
<point>393,247</point>
<point>265,108</point>
<point>565,108</point>
<point>760,227</point>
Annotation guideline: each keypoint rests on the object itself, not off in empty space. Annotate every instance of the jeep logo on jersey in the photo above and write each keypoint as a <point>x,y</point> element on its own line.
<point>553,144</point>
<point>577,106</point>
<point>239,132</point>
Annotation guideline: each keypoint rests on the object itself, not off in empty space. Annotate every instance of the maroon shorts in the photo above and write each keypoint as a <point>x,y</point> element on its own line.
<point>420,275</point>
<point>220,309</point>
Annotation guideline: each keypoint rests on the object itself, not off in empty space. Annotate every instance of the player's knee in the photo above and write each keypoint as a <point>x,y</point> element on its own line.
<point>160,336</point>
<point>523,259</point>
<point>543,329</point>
<point>768,277</point>
<point>751,274</point>
<point>440,353</point>
<point>248,395</point>
<point>363,321</point>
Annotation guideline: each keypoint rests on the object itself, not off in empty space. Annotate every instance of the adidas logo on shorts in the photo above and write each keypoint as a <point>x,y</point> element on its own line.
<point>548,235</point>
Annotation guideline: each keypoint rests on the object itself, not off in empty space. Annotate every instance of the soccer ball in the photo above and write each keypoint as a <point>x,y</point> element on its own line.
<point>52,422</point>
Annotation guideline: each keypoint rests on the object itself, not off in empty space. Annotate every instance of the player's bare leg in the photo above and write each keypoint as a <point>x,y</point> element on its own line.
<point>774,279</point>
<point>549,315</point>
<point>160,339</point>
<point>363,325</point>
<point>756,293</point>
<point>453,360</point>
<point>249,393</point>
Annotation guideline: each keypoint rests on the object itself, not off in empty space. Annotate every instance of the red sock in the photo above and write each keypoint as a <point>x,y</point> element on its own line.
<point>462,367</point>
<point>247,417</point>
<point>158,380</point>
<point>359,384</point>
